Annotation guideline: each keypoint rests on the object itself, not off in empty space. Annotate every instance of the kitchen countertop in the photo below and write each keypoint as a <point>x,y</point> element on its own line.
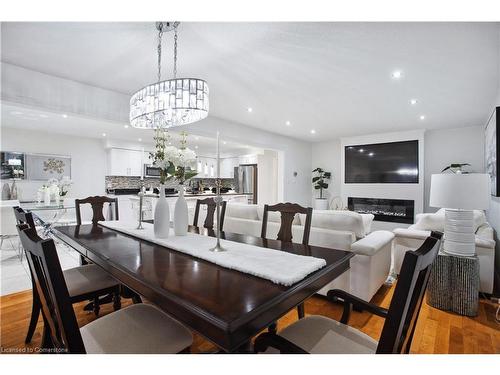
<point>187,195</point>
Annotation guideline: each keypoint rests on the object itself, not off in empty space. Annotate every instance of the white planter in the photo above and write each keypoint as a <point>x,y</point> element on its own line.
<point>162,216</point>
<point>321,204</point>
<point>181,214</point>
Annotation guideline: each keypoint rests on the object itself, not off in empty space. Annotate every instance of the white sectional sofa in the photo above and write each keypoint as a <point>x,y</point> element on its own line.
<point>342,230</point>
<point>411,238</point>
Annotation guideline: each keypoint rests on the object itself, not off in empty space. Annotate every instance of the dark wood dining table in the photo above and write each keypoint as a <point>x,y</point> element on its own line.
<point>225,306</point>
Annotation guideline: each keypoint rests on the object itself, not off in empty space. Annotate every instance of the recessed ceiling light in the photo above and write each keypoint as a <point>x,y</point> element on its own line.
<point>397,74</point>
<point>103,134</point>
<point>64,115</point>
<point>125,126</point>
<point>224,142</point>
<point>413,101</point>
<point>43,116</point>
<point>249,109</point>
<point>361,150</point>
<point>371,154</point>
<point>313,131</point>
<point>170,143</point>
<point>422,117</point>
<point>288,123</point>
<point>196,147</point>
<point>140,139</point>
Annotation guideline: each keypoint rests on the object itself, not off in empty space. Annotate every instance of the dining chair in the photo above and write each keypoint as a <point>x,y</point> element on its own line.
<point>211,209</point>
<point>288,212</point>
<point>97,204</point>
<point>88,282</point>
<point>318,334</point>
<point>137,329</point>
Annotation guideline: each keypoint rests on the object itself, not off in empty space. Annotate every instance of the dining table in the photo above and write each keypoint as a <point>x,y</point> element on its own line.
<point>225,306</point>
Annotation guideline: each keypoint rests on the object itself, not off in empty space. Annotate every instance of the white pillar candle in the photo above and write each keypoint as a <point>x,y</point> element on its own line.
<point>142,163</point>
<point>218,155</point>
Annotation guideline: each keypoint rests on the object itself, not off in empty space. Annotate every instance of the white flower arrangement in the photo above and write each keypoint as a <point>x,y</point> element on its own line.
<point>174,163</point>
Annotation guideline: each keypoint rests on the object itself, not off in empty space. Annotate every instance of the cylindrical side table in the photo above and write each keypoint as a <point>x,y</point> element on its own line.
<point>454,284</point>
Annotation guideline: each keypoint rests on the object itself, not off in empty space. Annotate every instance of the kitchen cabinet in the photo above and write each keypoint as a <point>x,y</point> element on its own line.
<point>124,162</point>
<point>248,159</point>
<point>227,167</point>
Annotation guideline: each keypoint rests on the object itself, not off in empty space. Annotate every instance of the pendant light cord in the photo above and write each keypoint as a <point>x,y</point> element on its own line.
<point>175,51</point>
<point>160,35</point>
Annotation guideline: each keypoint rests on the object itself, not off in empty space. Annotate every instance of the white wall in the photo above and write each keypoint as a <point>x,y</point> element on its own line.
<point>326,155</point>
<point>446,146</point>
<point>267,178</point>
<point>87,159</point>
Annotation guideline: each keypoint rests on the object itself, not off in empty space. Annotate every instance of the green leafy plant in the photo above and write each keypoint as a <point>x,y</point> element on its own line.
<point>320,180</point>
<point>456,167</point>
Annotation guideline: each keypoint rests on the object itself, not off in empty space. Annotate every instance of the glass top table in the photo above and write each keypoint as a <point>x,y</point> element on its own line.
<point>35,206</point>
<point>50,215</point>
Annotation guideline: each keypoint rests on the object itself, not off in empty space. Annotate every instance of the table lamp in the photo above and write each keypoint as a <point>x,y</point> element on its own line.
<point>459,194</point>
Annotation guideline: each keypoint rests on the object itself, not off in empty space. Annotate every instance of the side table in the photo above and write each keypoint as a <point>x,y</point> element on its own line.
<point>454,284</point>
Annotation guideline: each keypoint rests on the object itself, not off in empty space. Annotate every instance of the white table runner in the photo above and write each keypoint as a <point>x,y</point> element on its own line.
<point>277,266</point>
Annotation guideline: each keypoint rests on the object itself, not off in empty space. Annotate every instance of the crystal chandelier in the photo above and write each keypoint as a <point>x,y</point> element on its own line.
<point>174,102</point>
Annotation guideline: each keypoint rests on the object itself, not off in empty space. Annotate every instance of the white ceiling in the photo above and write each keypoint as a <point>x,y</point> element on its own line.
<point>331,77</point>
<point>34,119</point>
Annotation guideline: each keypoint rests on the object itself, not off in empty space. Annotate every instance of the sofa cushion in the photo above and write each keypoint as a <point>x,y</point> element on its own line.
<point>372,243</point>
<point>242,211</point>
<point>274,217</point>
<point>435,221</point>
<point>338,220</point>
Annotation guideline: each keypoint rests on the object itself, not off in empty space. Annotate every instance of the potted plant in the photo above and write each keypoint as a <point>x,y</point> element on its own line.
<point>320,181</point>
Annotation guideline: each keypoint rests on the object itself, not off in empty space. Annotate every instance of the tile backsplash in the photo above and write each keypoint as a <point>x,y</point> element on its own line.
<point>133,182</point>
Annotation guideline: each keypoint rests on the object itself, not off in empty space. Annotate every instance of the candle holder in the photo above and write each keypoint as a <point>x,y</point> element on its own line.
<point>141,198</point>
<point>218,200</point>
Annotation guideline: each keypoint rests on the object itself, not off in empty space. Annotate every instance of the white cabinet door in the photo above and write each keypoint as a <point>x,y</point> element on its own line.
<point>135,158</point>
<point>248,159</point>
<point>124,162</point>
<point>227,167</point>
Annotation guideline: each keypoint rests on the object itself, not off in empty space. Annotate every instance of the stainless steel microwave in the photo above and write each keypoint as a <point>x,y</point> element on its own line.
<point>151,171</point>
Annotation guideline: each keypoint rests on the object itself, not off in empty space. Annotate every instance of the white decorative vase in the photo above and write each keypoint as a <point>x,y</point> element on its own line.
<point>321,204</point>
<point>162,216</point>
<point>181,214</point>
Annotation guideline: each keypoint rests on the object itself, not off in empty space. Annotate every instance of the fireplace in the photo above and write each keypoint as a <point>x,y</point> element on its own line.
<point>392,210</point>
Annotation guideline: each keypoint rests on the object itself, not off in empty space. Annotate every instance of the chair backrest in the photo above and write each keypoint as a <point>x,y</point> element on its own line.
<point>288,212</point>
<point>60,322</point>
<point>406,302</point>
<point>23,217</point>
<point>97,204</point>
<point>211,207</point>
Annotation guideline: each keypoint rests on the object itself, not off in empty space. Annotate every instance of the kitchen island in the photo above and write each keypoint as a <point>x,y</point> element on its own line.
<point>129,204</point>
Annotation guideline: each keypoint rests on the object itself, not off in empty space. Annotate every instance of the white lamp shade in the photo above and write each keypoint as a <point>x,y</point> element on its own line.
<point>465,191</point>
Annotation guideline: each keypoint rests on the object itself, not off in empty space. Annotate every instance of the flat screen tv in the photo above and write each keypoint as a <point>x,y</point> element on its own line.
<point>382,163</point>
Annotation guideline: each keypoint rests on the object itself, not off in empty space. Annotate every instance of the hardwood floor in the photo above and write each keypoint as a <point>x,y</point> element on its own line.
<point>437,331</point>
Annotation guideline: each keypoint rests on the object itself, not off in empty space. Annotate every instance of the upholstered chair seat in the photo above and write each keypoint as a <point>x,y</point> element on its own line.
<point>86,279</point>
<point>320,335</point>
<point>138,329</point>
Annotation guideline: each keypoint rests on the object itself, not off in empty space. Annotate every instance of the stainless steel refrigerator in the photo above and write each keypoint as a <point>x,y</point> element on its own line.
<point>247,181</point>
